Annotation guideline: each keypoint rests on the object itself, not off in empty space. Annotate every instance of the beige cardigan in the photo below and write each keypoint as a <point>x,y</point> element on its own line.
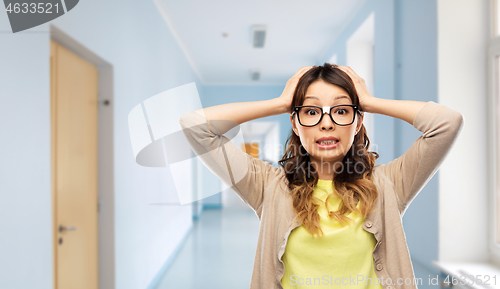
<point>264,188</point>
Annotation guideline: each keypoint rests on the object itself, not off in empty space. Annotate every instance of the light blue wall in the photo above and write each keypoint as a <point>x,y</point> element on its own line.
<point>146,59</point>
<point>25,178</point>
<point>417,79</point>
<point>405,68</point>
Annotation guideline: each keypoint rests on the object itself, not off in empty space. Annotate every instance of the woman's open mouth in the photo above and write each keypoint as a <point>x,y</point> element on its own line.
<point>331,144</point>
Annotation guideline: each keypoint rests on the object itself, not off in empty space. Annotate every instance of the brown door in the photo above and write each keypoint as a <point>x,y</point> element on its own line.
<point>74,104</point>
<point>251,149</point>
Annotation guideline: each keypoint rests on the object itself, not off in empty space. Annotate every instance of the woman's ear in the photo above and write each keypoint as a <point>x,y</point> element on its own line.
<point>360,122</point>
<point>293,125</point>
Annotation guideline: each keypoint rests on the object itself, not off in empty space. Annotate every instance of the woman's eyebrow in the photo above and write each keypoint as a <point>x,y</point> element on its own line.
<point>337,97</point>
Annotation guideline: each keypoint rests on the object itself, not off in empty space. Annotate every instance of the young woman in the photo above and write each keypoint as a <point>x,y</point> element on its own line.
<point>329,217</point>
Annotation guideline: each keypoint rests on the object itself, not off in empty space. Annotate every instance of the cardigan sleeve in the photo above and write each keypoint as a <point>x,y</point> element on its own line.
<point>247,176</point>
<point>411,171</point>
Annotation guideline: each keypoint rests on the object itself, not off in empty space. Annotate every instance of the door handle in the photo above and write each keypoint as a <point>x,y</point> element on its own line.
<point>62,228</point>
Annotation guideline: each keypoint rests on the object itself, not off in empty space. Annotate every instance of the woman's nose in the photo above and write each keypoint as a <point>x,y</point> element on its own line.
<point>326,122</point>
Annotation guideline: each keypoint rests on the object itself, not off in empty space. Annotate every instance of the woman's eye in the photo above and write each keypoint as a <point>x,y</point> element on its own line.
<point>342,111</point>
<point>311,110</point>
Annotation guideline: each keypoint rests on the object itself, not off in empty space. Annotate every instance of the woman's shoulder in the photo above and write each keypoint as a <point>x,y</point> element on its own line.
<point>280,181</point>
<point>281,176</point>
<point>379,174</point>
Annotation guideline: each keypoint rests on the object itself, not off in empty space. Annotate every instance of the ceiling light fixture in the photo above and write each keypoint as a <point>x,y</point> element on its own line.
<point>259,35</point>
<point>255,74</point>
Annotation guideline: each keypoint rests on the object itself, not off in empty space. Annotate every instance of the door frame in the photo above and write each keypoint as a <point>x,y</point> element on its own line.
<point>106,190</point>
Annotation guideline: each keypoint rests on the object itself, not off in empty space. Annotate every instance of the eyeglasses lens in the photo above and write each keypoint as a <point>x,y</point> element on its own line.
<point>342,115</point>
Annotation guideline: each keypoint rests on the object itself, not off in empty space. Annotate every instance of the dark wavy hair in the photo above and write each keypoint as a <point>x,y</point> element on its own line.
<point>350,184</point>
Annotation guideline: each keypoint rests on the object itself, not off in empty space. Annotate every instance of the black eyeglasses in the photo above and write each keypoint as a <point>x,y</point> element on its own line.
<point>311,115</point>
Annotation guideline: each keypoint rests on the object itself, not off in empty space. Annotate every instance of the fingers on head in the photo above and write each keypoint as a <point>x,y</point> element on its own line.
<point>351,73</point>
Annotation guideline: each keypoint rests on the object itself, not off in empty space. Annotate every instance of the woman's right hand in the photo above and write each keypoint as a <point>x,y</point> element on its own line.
<point>287,94</point>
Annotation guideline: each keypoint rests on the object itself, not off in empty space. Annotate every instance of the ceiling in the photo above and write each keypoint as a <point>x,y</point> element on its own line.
<point>299,33</point>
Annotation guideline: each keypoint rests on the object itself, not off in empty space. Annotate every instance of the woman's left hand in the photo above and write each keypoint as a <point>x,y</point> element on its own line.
<point>360,85</point>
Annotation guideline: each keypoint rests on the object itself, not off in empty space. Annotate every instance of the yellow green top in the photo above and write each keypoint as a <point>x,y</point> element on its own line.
<point>342,257</point>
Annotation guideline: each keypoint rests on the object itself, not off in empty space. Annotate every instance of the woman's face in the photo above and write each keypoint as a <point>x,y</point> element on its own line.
<point>321,93</point>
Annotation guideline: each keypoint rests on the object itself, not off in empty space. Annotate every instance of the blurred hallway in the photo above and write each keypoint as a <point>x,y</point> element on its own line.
<point>218,253</point>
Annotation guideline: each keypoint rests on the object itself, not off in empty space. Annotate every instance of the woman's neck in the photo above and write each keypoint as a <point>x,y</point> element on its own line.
<point>326,170</point>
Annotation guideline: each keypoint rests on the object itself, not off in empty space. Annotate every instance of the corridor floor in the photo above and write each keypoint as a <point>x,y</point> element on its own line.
<point>219,252</point>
